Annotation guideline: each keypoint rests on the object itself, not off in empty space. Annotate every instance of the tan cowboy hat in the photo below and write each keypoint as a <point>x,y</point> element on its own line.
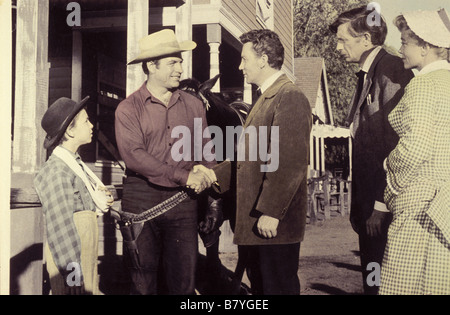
<point>58,117</point>
<point>431,26</point>
<point>160,44</point>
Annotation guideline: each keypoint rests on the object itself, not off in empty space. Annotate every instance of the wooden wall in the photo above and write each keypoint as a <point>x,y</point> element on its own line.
<point>245,12</point>
<point>31,101</point>
<point>60,78</point>
<point>284,28</point>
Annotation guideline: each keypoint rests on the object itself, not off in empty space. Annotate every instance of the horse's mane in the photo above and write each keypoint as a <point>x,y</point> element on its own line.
<point>211,99</point>
<point>191,86</point>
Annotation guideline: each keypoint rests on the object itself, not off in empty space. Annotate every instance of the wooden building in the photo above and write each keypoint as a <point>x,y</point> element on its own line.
<point>311,77</point>
<point>82,49</point>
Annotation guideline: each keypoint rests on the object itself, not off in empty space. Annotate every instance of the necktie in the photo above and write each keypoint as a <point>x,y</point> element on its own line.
<point>361,77</point>
<point>360,74</point>
<point>258,95</point>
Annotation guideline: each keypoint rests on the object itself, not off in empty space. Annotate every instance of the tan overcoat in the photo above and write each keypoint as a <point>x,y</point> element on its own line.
<point>282,193</point>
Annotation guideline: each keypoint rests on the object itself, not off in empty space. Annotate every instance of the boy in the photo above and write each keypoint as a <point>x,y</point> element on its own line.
<point>70,194</point>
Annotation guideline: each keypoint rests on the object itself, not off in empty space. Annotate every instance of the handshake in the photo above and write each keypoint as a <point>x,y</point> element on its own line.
<point>201,178</point>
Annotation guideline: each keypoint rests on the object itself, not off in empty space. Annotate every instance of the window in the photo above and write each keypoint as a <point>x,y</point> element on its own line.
<point>110,92</point>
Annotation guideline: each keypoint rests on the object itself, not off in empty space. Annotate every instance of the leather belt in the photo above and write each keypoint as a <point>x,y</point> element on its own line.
<point>129,218</point>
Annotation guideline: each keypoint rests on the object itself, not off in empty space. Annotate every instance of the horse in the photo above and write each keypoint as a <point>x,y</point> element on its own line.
<point>221,114</point>
<point>218,111</point>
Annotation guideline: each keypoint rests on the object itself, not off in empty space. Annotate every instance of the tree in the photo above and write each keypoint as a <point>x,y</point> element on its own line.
<point>314,39</point>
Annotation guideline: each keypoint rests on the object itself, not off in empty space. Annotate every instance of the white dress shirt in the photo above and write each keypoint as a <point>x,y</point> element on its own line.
<point>270,80</point>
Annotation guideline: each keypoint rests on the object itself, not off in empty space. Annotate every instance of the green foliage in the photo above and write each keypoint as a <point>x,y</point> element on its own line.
<point>314,39</point>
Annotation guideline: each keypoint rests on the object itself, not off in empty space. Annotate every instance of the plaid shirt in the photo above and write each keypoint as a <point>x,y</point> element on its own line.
<point>62,193</point>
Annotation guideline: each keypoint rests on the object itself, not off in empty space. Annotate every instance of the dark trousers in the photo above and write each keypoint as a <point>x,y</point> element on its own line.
<point>167,245</point>
<point>272,269</point>
<point>371,250</point>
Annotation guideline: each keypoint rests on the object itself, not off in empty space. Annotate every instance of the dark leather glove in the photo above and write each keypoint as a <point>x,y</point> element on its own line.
<point>213,218</point>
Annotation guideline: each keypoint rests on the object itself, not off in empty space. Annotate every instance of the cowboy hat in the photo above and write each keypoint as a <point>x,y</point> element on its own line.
<point>161,44</point>
<point>431,26</point>
<point>58,117</point>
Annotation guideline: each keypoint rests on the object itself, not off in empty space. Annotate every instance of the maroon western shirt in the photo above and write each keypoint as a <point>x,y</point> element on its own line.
<point>144,136</point>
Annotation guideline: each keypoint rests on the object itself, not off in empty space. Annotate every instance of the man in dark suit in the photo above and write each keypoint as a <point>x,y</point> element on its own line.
<point>381,82</point>
<point>271,200</point>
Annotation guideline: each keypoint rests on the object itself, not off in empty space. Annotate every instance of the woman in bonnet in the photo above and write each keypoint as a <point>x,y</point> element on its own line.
<point>417,255</point>
<point>72,197</point>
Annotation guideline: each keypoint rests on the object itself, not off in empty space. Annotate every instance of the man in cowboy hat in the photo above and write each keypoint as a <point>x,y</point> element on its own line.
<point>382,79</point>
<point>144,123</point>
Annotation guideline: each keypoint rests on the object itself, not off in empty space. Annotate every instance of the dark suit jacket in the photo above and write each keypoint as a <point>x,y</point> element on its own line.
<point>373,136</point>
<point>281,194</point>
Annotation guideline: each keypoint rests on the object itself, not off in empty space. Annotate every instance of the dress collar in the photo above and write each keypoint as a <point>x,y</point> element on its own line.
<point>270,80</point>
<point>436,65</point>
<point>370,58</point>
<point>145,94</point>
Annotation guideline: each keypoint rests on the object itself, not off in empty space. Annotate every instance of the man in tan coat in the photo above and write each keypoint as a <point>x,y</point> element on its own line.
<point>271,200</point>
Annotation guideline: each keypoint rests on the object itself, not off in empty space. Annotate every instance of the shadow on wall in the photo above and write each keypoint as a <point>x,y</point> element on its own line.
<point>20,263</point>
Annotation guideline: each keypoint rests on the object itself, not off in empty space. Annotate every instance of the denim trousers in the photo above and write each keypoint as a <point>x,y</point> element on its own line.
<point>167,245</point>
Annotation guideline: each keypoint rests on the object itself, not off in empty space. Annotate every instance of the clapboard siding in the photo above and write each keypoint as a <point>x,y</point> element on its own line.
<point>60,79</point>
<point>244,10</point>
<point>283,27</point>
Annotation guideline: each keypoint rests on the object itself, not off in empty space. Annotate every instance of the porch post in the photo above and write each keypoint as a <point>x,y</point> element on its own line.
<point>322,155</point>
<point>311,151</point>
<point>350,157</point>
<point>30,103</point>
<point>137,27</point>
<point>77,65</point>
<point>317,159</point>
<point>31,91</point>
<point>183,30</point>
<point>5,144</point>
<point>214,39</point>
<point>248,93</point>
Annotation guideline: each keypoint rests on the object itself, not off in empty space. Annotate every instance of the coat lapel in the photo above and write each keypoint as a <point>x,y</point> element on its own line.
<point>269,93</point>
<point>366,88</point>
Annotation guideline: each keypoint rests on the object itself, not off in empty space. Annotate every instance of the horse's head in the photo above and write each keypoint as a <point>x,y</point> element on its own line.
<point>201,90</point>
<point>219,112</point>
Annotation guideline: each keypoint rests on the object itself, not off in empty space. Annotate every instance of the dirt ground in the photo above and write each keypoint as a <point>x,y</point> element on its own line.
<point>329,259</point>
<point>329,265</point>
